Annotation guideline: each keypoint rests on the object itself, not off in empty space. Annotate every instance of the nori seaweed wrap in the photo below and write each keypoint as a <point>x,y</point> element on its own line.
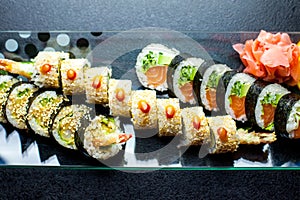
<point>221,88</point>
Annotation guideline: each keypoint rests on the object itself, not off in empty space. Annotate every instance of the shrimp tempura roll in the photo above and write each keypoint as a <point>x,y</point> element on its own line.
<point>96,84</point>
<point>223,136</point>
<point>169,117</point>
<point>47,65</point>
<point>119,97</point>
<point>144,109</point>
<point>195,126</point>
<point>72,75</point>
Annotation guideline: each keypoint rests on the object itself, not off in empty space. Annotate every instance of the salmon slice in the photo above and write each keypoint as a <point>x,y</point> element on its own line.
<point>187,91</point>
<point>268,116</point>
<point>157,75</point>
<point>211,96</point>
<point>238,105</point>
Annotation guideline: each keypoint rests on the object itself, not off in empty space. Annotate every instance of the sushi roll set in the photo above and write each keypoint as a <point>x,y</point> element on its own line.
<point>178,92</point>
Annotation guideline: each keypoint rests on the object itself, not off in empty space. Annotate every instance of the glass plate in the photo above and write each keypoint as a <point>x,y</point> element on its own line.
<point>119,50</point>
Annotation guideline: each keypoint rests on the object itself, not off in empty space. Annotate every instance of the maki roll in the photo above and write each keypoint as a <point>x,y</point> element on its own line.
<point>208,88</point>
<point>222,134</point>
<point>181,74</point>
<point>96,84</point>
<point>72,75</point>
<point>169,117</point>
<point>261,102</point>
<point>119,93</point>
<point>152,66</point>
<point>6,82</point>
<point>17,104</point>
<point>66,122</point>
<point>235,96</point>
<point>47,65</point>
<point>287,116</point>
<point>221,88</point>
<point>195,126</point>
<point>43,105</point>
<point>144,109</point>
<point>103,137</point>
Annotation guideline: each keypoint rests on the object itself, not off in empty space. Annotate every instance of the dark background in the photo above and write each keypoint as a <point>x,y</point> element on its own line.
<point>210,16</point>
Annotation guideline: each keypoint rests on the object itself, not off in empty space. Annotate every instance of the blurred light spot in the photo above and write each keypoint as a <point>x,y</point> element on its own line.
<point>25,34</point>
<point>11,45</point>
<point>50,49</point>
<point>63,39</point>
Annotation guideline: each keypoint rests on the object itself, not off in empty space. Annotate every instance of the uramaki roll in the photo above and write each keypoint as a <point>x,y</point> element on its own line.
<point>144,109</point>
<point>43,105</point>
<point>96,84</point>
<point>67,122</point>
<point>6,83</point>
<point>169,117</point>
<point>72,75</point>
<point>195,126</point>
<point>47,65</point>
<point>119,93</point>
<point>17,103</point>
<point>222,134</point>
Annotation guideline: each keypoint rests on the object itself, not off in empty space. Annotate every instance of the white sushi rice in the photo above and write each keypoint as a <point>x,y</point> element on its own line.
<point>119,108</point>
<point>39,116</point>
<point>244,79</point>
<point>195,62</point>
<point>273,89</point>
<point>229,124</point>
<point>6,83</point>
<point>156,49</point>
<point>293,121</point>
<point>50,79</point>
<point>193,136</point>
<point>16,107</point>
<point>144,120</point>
<point>169,126</point>
<point>220,69</point>
<point>77,85</point>
<point>99,95</point>
<point>93,132</point>
<point>67,125</point>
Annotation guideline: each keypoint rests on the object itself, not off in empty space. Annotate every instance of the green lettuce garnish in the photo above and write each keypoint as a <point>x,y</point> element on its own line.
<point>3,85</point>
<point>149,60</point>
<point>187,74</point>
<point>45,101</point>
<point>213,80</point>
<point>240,89</point>
<point>271,99</point>
<point>21,93</point>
